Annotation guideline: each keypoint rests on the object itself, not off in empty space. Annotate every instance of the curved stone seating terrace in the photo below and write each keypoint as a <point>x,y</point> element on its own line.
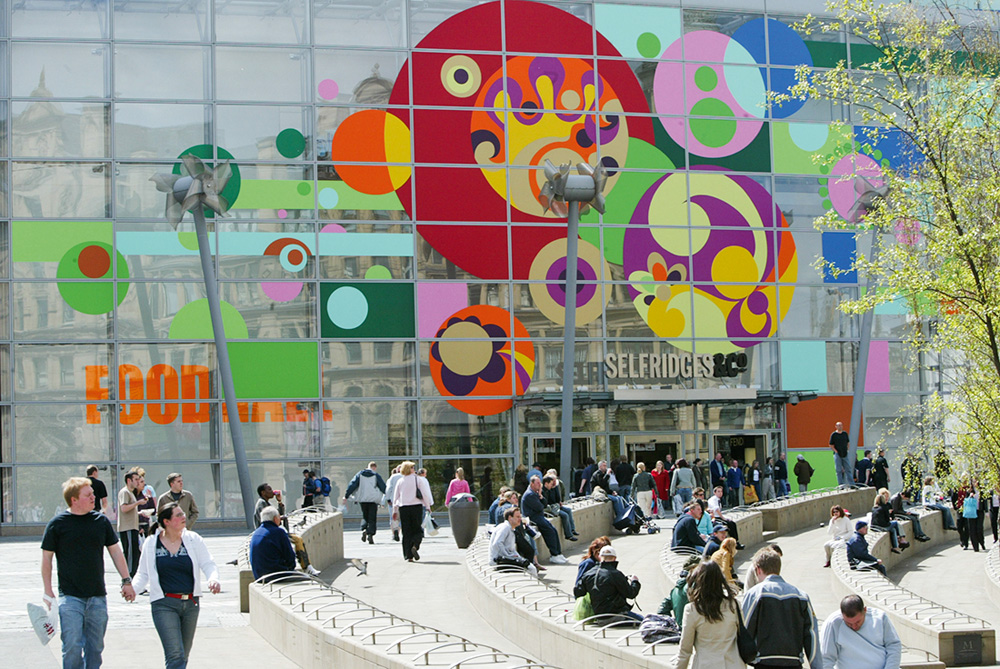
<point>316,625</point>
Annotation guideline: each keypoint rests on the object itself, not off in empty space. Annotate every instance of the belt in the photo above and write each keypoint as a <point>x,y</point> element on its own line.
<point>174,595</point>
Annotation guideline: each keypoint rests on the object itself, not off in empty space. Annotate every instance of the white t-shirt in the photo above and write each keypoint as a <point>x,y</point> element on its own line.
<point>714,506</point>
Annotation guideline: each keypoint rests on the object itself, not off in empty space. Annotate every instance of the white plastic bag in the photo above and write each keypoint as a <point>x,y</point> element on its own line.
<point>428,524</point>
<point>44,621</point>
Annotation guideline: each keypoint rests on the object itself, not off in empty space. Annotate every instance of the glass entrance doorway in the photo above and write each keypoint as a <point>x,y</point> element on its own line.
<point>546,450</point>
<point>650,448</point>
<point>744,447</point>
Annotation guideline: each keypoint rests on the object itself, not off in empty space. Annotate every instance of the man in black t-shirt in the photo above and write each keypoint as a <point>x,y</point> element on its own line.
<point>880,471</point>
<point>77,538</point>
<point>840,441</point>
<point>100,491</point>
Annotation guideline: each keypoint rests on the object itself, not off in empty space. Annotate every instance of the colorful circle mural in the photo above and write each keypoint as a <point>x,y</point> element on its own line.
<point>720,278</point>
<point>293,256</point>
<point>91,260</point>
<point>528,137</point>
<point>372,136</point>
<point>842,186</point>
<point>474,355</point>
<point>550,297</point>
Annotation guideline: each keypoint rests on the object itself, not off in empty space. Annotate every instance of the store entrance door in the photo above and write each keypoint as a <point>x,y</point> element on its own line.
<point>649,448</point>
<point>546,450</point>
<point>745,447</point>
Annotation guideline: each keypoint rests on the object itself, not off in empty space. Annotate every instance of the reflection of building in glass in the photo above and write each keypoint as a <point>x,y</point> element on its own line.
<point>394,289</point>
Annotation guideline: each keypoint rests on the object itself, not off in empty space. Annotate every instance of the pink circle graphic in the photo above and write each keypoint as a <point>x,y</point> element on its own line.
<point>713,116</point>
<point>333,227</point>
<point>282,291</point>
<point>843,185</point>
<point>328,89</point>
<point>282,213</point>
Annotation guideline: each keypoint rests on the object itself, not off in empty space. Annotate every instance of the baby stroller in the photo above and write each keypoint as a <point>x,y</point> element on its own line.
<point>633,521</point>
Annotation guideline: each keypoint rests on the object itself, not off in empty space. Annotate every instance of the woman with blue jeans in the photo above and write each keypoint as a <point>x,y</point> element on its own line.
<point>882,521</point>
<point>682,483</point>
<point>169,566</point>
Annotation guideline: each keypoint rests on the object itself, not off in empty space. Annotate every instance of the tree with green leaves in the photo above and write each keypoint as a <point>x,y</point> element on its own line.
<point>925,79</point>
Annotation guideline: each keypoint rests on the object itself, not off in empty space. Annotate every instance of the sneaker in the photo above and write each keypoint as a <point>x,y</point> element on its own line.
<point>313,571</point>
<point>364,536</point>
<point>558,559</point>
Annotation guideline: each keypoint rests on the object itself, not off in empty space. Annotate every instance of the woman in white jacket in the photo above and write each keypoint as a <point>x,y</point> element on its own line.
<point>840,530</point>
<point>169,566</point>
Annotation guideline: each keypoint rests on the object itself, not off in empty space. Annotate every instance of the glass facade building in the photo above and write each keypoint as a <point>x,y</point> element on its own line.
<point>392,285</point>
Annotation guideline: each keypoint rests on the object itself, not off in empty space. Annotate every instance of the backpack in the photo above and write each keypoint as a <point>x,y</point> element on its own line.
<point>323,486</point>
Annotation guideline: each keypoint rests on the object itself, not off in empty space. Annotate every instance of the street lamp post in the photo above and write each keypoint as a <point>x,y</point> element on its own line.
<point>570,195</point>
<point>199,189</point>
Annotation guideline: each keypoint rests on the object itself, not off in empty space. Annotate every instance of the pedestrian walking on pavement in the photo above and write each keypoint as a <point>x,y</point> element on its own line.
<point>803,472</point>
<point>77,538</point>
<point>171,560</point>
<point>178,495</point>
<point>367,489</point>
<point>410,499</point>
<point>390,491</point>
<point>128,521</point>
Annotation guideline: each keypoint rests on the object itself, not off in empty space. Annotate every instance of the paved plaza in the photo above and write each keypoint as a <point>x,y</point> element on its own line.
<point>432,592</point>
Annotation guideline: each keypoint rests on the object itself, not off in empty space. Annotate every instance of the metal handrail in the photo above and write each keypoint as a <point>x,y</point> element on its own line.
<point>464,643</point>
<point>413,627</point>
<point>430,632</point>
<point>350,628</point>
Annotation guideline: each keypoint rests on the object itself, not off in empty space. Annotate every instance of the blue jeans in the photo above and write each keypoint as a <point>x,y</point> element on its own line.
<point>625,490</point>
<point>549,534</point>
<point>686,494</point>
<point>569,527</point>
<point>175,621</point>
<point>893,531</point>
<point>843,467</point>
<point>946,517</point>
<point>618,504</point>
<point>83,621</point>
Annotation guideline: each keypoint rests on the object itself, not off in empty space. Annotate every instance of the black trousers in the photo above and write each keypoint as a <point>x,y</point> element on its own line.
<point>976,532</point>
<point>369,522</point>
<point>993,521</point>
<point>410,521</point>
<point>130,548</point>
<point>733,531</point>
<point>963,529</point>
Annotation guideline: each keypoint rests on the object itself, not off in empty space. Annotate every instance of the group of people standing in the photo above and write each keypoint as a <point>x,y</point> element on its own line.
<point>168,565</point>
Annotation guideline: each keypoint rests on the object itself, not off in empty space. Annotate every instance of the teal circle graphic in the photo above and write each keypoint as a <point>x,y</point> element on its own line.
<point>347,307</point>
<point>328,198</point>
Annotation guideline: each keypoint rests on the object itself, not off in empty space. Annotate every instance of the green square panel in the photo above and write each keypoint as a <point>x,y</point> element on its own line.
<point>275,369</point>
<point>366,309</point>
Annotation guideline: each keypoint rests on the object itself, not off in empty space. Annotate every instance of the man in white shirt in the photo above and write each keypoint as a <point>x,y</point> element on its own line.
<point>857,637</point>
<point>503,544</point>
<point>715,511</point>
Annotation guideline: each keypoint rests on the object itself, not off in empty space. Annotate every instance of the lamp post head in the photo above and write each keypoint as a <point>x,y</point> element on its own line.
<point>562,187</point>
<point>199,188</point>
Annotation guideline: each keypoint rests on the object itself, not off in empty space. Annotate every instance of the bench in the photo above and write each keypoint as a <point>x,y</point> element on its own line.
<point>322,532</point>
<point>951,636</point>
<point>318,626</point>
<point>540,616</point>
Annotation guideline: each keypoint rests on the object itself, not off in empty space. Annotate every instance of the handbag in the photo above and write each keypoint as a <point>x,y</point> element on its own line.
<point>745,642</point>
<point>416,483</point>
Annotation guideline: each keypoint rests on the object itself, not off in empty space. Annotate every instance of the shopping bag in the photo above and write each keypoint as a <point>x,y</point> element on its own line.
<point>750,495</point>
<point>583,608</point>
<point>44,621</point>
<point>428,524</point>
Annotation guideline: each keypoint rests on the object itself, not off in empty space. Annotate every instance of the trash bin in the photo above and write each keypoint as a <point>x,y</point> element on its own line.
<point>463,512</point>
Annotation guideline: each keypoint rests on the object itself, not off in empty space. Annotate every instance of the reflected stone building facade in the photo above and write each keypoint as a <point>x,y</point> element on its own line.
<point>392,287</point>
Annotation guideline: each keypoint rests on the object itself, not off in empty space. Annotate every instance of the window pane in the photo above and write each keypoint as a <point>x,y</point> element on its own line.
<point>53,70</point>
<point>7,510</point>
<point>39,491</point>
<point>59,19</point>
<point>202,480</point>
<point>269,251</point>
<point>252,132</point>
<point>61,190</point>
<point>136,196</point>
<point>154,131</point>
<point>193,365</point>
<point>266,318</point>
<point>59,130</point>
<point>264,21</point>
<point>162,72</point>
<point>41,312</point>
<point>63,433</point>
<point>277,430</point>
<point>284,476</point>
<point>267,75</point>
<point>365,247</point>
<point>364,77</point>
<point>361,23</point>
<point>148,257</point>
<point>166,20</point>
<point>149,308</point>
<point>169,431</point>
<point>449,431</point>
<point>374,429</point>
<point>63,372</point>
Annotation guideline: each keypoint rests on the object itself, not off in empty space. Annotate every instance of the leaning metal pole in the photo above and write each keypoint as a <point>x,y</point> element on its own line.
<point>569,345</point>
<point>225,371</point>
<point>861,373</point>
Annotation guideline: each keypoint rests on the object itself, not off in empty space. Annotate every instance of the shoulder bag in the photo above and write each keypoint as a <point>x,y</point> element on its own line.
<point>745,642</point>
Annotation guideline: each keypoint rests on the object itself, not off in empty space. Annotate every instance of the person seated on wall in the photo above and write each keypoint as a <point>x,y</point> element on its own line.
<point>686,530</point>
<point>897,509</point>
<point>839,530</point>
<point>533,506</point>
<point>602,482</point>
<point>857,550</point>
<point>271,549</point>
<point>715,512</point>
<point>931,498</point>
<point>719,534</point>
<point>882,520</point>
<point>503,543</point>
<point>609,588</point>
<point>493,513</point>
